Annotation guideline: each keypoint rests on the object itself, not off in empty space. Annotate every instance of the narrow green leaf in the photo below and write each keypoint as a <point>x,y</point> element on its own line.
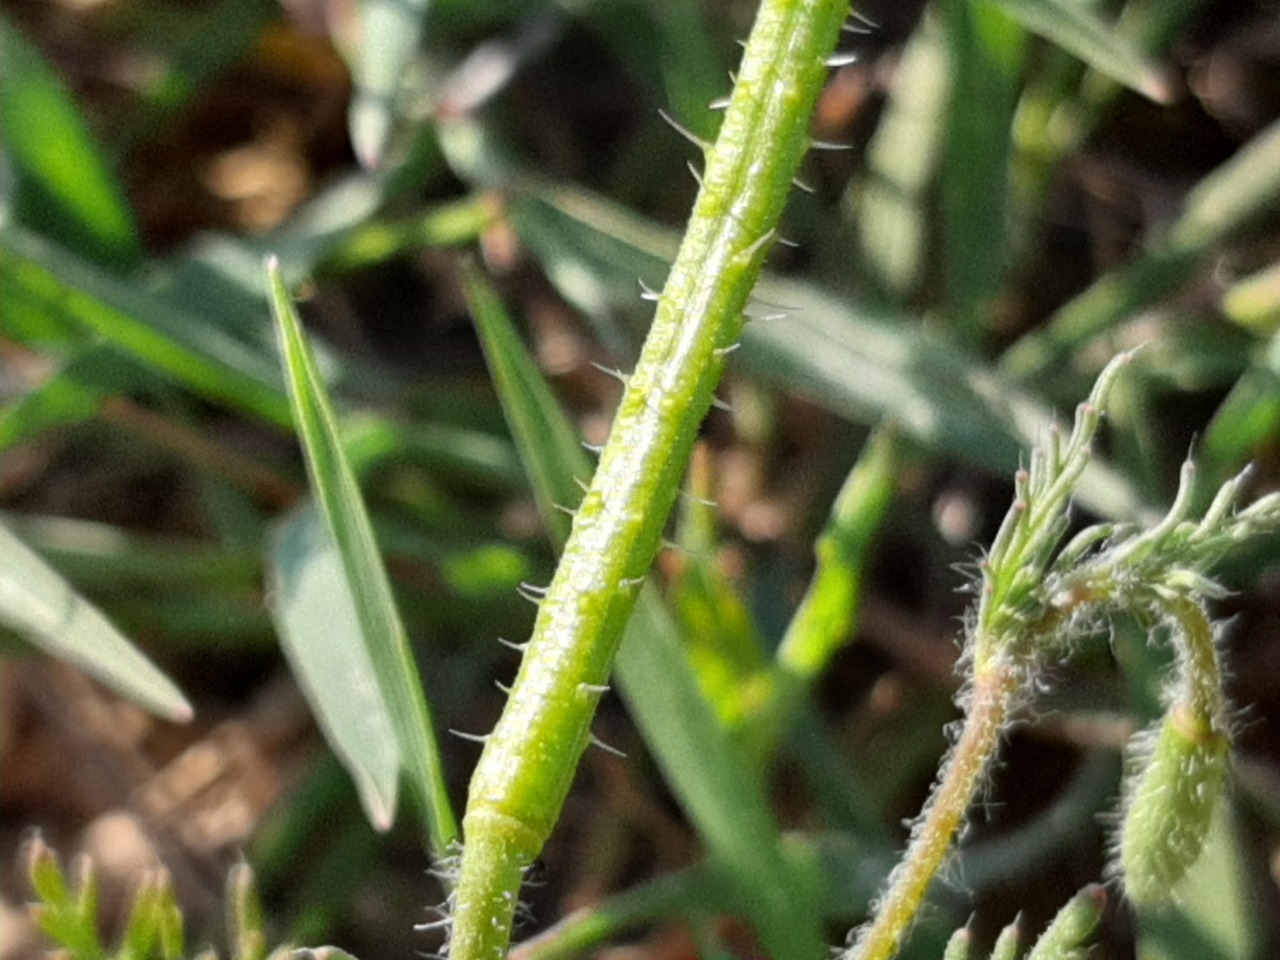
<point>62,399</point>
<point>39,604</point>
<point>142,930</point>
<point>724,645</point>
<point>1254,301</point>
<point>716,785</point>
<point>64,185</point>
<point>1075,28</point>
<point>320,633</point>
<point>245,922</point>
<point>99,556</point>
<point>986,66</point>
<point>1247,419</point>
<point>338,497</point>
<point>67,914</point>
<point>172,938</point>
<point>449,224</point>
<point>891,198</point>
<point>698,888</point>
<point>549,447</point>
<point>199,355</point>
<point>862,364</point>
<point>44,872</point>
<point>864,368</point>
<point>701,890</point>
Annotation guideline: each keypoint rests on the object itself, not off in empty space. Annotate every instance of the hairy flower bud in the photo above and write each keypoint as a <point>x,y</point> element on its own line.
<point>1170,806</point>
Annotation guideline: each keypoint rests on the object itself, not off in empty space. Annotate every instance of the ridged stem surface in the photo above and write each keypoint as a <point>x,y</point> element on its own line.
<point>529,761</point>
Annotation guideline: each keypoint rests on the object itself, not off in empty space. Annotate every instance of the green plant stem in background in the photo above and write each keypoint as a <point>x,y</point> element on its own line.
<point>529,760</point>
<point>825,620</point>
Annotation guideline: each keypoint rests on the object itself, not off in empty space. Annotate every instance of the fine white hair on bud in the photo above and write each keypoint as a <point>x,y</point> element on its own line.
<point>1179,773</point>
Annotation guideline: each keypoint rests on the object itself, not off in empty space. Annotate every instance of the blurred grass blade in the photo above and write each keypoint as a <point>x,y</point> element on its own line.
<point>706,770</point>
<point>723,641</point>
<point>320,634</point>
<point>825,619</point>
<point>667,47</point>
<point>1254,301</point>
<point>1075,28</point>
<point>390,31</point>
<point>693,890</point>
<point>852,871</point>
<point>451,224</point>
<point>861,364</point>
<point>338,498</point>
<point>39,604</point>
<point>715,783</point>
<point>72,394</point>
<point>65,187</point>
<point>1246,421</point>
<point>858,364</point>
<point>197,354</point>
<point>549,446</point>
<point>891,199</point>
<point>986,66</point>
<point>1239,191</point>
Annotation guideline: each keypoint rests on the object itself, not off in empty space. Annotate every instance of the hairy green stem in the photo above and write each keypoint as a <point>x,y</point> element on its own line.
<point>1201,673</point>
<point>987,714</point>
<point>529,760</point>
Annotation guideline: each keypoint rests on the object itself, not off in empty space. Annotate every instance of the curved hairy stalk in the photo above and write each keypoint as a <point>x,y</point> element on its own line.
<point>529,760</point>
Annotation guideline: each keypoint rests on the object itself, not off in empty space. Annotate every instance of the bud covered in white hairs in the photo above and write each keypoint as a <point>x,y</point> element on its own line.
<point>1170,805</point>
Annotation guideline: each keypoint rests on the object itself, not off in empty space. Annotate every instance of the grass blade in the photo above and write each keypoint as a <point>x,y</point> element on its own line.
<point>549,446</point>
<point>1074,28</point>
<point>825,619</point>
<point>1247,419</point>
<point>987,49</point>
<point>320,633</point>
<point>198,355</point>
<point>65,187</point>
<point>39,604</point>
<point>856,363</point>
<point>715,783</point>
<point>338,498</point>
<point>74,393</point>
<point>861,364</point>
<point>891,198</point>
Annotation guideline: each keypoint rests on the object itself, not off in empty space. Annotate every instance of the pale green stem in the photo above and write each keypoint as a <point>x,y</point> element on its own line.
<point>987,712</point>
<point>1200,697</point>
